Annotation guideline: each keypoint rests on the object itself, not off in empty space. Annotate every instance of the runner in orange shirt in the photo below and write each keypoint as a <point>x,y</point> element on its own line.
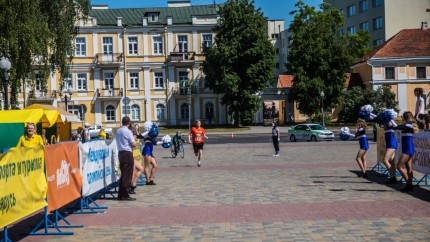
<point>196,136</point>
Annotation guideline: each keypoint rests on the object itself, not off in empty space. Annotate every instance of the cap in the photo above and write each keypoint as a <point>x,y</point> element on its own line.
<point>87,124</point>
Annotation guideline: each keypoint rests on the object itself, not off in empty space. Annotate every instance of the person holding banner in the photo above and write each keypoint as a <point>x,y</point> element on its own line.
<point>409,127</point>
<point>30,138</point>
<point>126,143</point>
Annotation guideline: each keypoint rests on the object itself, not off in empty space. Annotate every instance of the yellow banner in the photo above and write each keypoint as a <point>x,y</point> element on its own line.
<point>23,183</point>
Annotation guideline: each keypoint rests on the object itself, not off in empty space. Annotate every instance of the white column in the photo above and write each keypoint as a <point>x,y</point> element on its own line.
<point>195,35</point>
<point>121,38</point>
<point>95,45</point>
<point>145,45</point>
<point>147,87</point>
<point>97,103</point>
<point>169,41</point>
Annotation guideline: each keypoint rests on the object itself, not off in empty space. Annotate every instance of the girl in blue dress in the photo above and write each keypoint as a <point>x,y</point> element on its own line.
<point>409,127</point>
<point>391,146</point>
<point>360,134</point>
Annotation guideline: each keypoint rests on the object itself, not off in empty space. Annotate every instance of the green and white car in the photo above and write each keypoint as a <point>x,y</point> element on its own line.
<point>309,132</point>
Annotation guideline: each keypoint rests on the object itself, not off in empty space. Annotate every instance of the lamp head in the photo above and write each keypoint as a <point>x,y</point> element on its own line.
<point>5,64</point>
<point>322,93</point>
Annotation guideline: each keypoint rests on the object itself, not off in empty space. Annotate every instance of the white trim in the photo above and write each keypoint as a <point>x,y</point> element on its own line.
<point>128,45</point>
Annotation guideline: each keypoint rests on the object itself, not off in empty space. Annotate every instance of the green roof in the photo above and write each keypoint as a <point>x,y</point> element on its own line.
<point>134,16</point>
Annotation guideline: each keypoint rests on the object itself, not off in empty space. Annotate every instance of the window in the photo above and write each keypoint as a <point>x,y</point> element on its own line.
<point>110,113</point>
<point>275,36</point>
<point>38,82</point>
<point>377,23</point>
<point>158,45</point>
<point>108,80</point>
<point>132,45</point>
<point>68,81</point>
<point>183,43</point>
<point>80,47</point>
<point>184,111</point>
<point>207,40</point>
<point>351,10</point>
<point>82,81</point>
<point>342,12</point>
<point>75,109</point>
<point>159,79</point>
<point>421,72</point>
<point>377,3</point>
<point>209,110</point>
<point>134,80</point>
<point>277,65</point>
<point>183,79</point>
<point>107,45</point>
<point>160,109</point>
<point>364,26</point>
<point>153,17</point>
<point>389,73</point>
<point>352,30</point>
<point>363,6</point>
<point>377,42</point>
<point>135,112</point>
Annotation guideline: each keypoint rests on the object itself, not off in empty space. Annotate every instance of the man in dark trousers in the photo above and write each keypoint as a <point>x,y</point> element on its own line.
<point>126,143</point>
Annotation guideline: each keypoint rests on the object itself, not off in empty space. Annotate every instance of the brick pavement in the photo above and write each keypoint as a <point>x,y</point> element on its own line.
<point>241,193</point>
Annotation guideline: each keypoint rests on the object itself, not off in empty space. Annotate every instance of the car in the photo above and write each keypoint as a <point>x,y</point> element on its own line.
<point>94,131</point>
<point>309,132</point>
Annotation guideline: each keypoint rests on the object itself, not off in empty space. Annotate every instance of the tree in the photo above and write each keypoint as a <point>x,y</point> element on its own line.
<point>358,44</point>
<point>355,98</point>
<point>242,60</point>
<point>36,36</point>
<point>318,57</point>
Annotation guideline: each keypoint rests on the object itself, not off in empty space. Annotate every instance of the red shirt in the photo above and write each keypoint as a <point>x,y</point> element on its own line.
<point>197,135</point>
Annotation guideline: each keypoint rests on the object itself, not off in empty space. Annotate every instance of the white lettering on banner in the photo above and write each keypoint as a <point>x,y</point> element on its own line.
<point>63,174</point>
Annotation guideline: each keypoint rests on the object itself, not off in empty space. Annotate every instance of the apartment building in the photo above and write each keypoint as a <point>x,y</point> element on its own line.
<point>139,62</point>
<point>382,18</point>
<point>274,30</point>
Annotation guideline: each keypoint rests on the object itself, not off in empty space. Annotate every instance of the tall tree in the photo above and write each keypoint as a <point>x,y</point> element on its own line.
<point>37,35</point>
<point>318,57</point>
<point>242,60</point>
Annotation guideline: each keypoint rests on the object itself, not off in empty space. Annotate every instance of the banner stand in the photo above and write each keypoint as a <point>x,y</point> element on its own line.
<point>46,223</point>
<point>57,215</point>
<point>85,204</point>
<point>425,178</point>
<point>142,180</point>
<point>108,190</point>
<point>5,237</point>
<point>379,168</point>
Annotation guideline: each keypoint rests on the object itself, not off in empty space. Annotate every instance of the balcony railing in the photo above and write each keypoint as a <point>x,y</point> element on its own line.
<point>112,58</point>
<point>181,56</point>
<point>36,94</point>
<point>110,93</point>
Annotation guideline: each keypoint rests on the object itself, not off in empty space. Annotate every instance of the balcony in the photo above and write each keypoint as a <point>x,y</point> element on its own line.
<point>181,58</point>
<point>109,94</point>
<point>37,96</point>
<point>112,59</point>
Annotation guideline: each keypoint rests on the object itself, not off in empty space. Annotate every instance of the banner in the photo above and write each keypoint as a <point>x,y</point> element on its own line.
<point>98,162</point>
<point>380,144</point>
<point>22,183</point>
<point>421,157</point>
<point>63,174</point>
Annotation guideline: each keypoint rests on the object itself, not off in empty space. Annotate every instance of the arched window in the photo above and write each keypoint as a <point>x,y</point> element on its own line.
<point>160,108</point>
<point>185,112</point>
<point>110,113</point>
<point>135,112</point>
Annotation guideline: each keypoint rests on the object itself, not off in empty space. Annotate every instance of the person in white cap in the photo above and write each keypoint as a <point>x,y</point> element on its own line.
<point>87,136</point>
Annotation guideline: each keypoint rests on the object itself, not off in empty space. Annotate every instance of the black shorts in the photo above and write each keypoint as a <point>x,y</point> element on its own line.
<point>197,147</point>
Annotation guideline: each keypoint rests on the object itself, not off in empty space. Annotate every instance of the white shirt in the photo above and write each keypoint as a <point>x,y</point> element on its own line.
<point>419,103</point>
<point>124,139</point>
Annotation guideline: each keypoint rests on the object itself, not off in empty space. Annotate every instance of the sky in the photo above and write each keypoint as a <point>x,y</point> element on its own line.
<point>273,9</point>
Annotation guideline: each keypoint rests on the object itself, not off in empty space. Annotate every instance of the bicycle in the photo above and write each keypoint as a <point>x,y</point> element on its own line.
<point>180,152</point>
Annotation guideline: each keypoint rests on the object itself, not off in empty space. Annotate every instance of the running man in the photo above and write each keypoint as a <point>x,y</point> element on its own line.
<point>196,136</point>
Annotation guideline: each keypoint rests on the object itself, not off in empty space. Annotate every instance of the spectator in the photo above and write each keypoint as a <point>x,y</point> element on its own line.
<point>86,133</point>
<point>30,138</point>
<point>102,133</point>
<point>419,107</point>
<point>276,137</point>
<point>126,143</point>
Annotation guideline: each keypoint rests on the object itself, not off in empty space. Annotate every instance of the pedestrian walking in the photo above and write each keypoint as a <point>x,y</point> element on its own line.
<point>409,127</point>
<point>126,143</point>
<point>196,136</point>
<point>276,137</point>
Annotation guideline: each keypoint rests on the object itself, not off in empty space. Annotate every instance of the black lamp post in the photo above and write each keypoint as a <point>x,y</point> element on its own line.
<point>67,98</point>
<point>5,65</point>
<point>189,98</point>
<point>145,99</point>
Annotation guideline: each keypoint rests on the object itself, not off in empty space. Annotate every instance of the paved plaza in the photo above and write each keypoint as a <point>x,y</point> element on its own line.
<point>241,193</point>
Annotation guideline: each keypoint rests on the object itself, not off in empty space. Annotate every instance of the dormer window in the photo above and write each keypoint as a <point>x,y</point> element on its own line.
<point>153,17</point>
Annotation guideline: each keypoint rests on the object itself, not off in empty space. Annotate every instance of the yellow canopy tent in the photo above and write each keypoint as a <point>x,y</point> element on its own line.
<point>12,123</point>
<point>63,123</point>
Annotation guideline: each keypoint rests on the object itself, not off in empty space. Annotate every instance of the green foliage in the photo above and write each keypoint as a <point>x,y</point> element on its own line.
<point>36,36</point>
<point>319,57</point>
<point>318,119</point>
<point>242,60</point>
<point>355,98</point>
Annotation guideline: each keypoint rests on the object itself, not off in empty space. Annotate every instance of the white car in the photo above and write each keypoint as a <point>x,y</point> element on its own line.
<point>309,132</point>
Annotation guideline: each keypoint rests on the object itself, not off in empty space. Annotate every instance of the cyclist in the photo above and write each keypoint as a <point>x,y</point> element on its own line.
<point>176,139</point>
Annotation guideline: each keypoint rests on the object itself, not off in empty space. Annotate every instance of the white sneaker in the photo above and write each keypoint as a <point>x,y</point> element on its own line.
<point>199,164</point>
<point>277,155</point>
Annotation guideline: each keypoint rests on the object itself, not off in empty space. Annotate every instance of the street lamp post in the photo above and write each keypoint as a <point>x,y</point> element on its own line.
<point>322,107</point>
<point>145,99</point>
<point>67,98</point>
<point>5,65</point>
<point>189,98</point>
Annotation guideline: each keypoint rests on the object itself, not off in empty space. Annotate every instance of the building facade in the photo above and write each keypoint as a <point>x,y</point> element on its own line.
<point>144,63</point>
<point>382,18</point>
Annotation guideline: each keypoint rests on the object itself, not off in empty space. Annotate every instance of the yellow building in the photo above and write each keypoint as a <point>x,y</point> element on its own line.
<point>137,61</point>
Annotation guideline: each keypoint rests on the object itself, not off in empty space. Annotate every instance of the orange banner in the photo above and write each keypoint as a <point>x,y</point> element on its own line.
<point>63,174</point>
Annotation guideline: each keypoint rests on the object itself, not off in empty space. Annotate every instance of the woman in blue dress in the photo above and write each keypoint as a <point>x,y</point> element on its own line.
<point>360,134</point>
<point>404,166</point>
<point>391,147</point>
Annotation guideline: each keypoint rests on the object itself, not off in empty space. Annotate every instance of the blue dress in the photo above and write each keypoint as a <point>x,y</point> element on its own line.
<point>147,149</point>
<point>390,139</point>
<point>362,139</point>
<point>407,138</point>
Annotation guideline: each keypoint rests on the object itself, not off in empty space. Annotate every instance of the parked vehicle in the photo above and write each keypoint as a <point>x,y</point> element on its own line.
<point>309,132</point>
<point>94,131</point>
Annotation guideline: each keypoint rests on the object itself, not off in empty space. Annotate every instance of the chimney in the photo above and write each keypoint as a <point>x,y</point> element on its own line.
<point>119,21</point>
<point>145,21</point>
<point>169,20</point>
<point>424,25</point>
